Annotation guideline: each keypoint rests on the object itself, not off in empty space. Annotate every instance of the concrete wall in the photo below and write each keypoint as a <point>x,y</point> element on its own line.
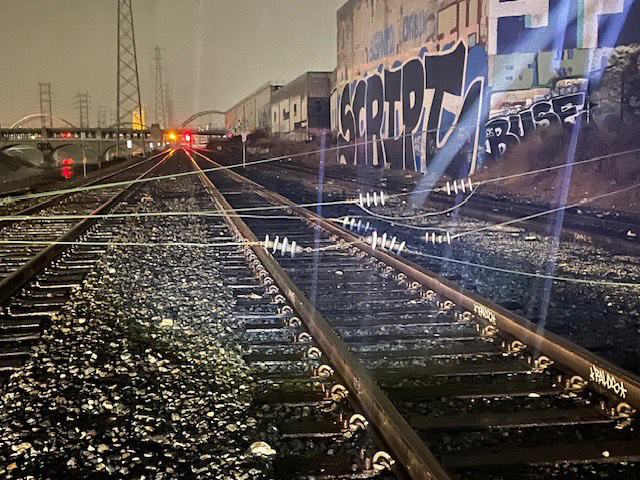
<point>254,110</point>
<point>439,85</point>
<point>371,32</point>
<point>302,106</point>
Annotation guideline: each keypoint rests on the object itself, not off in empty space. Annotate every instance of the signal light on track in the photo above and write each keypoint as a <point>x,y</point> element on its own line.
<point>187,137</point>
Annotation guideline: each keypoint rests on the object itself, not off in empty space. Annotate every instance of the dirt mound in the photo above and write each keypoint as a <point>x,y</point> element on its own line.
<point>578,181</point>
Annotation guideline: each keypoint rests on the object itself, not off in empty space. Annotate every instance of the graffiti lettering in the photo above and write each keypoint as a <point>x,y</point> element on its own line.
<point>381,44</point>
<point>402,117</point>
<point>484,312</point>
<point>414,26</point>
<point>607,381</point>
<point>505,131</point>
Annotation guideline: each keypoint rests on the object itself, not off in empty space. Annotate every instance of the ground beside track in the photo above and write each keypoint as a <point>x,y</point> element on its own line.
<point>138,376</point>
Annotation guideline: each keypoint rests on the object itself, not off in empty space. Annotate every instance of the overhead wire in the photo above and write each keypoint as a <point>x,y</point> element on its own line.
<point>288,157</point>
<point>545,212</point>
<point>526,274</point>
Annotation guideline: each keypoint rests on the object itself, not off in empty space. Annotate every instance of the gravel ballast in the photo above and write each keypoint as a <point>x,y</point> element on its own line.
<point>139,375</point>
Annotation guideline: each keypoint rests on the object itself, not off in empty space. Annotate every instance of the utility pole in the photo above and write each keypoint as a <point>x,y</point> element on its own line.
<point>160,112</point>
<point>46,112</point>
<point>128,98</point>
<point>102,116</point>
<point>82,104</point>
<point>83,100</point>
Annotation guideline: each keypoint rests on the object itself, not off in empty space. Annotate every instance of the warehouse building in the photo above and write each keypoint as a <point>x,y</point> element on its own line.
<point>301,108</point>
<point>253,111</point>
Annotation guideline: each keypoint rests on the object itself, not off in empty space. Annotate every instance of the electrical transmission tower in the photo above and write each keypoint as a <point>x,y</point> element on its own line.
<point>46,112</point>
<point>83,100</point>
<point>102,116</point>
<point>168,101</point>
<point>128,100</point>
<point>160,112</point>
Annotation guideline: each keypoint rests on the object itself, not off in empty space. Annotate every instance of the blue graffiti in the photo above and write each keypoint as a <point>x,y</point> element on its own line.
<point>414,26</point>
<point>382,44</point>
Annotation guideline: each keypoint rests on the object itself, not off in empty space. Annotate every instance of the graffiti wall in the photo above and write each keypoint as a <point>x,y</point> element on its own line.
<point>447,85</point>
<point>400,117</point>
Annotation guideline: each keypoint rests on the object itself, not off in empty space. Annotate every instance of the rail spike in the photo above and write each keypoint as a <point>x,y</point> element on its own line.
<point>382,461</point>
<point>323,371</point>
<point>313,353</point>
<point>575,384</point>
<point>338,392</point>
<point>357,422</point>
<point>303,337</point>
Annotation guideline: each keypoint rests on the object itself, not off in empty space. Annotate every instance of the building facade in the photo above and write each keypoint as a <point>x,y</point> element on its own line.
<point>301,107</point>
<point>253,112</point>
<point>435,85</point>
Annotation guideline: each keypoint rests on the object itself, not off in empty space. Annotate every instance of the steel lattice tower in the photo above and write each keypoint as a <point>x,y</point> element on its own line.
<point>102,116</point>
<point>128,100</point>
<point>46,111</point>
<point>169,106</point>
<point>83,100</point>
<point>160,107</point>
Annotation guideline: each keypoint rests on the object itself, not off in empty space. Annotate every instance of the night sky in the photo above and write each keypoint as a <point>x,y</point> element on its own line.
<point>218,51</point>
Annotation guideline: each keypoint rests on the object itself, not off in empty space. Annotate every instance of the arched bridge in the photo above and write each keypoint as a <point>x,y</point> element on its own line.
<point>207,122</point>
<point>96,142</point>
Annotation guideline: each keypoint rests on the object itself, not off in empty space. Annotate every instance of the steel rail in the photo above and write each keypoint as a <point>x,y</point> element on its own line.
<point>406,446</point>
<point>55,199</point>
<point>12,283</point>
<point>601,375</point>
<point>573,231</point>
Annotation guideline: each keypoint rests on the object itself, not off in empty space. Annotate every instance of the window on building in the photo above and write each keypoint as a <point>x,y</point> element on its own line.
<point>295,109</point>
<point>275,117</point>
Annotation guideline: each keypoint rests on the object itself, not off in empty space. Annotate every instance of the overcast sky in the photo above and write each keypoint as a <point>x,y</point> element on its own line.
<point>217,51</point>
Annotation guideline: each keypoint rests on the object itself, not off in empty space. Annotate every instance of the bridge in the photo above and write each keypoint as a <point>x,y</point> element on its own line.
<point>94,142</point>
<point>100,143</point>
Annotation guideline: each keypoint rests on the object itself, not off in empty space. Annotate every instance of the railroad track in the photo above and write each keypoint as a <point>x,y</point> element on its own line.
<point>42,260</point>
<point>451,385</point>
<point>589,226</point>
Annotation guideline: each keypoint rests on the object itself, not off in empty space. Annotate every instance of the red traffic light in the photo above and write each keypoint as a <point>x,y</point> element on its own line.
<point>187,137</point>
